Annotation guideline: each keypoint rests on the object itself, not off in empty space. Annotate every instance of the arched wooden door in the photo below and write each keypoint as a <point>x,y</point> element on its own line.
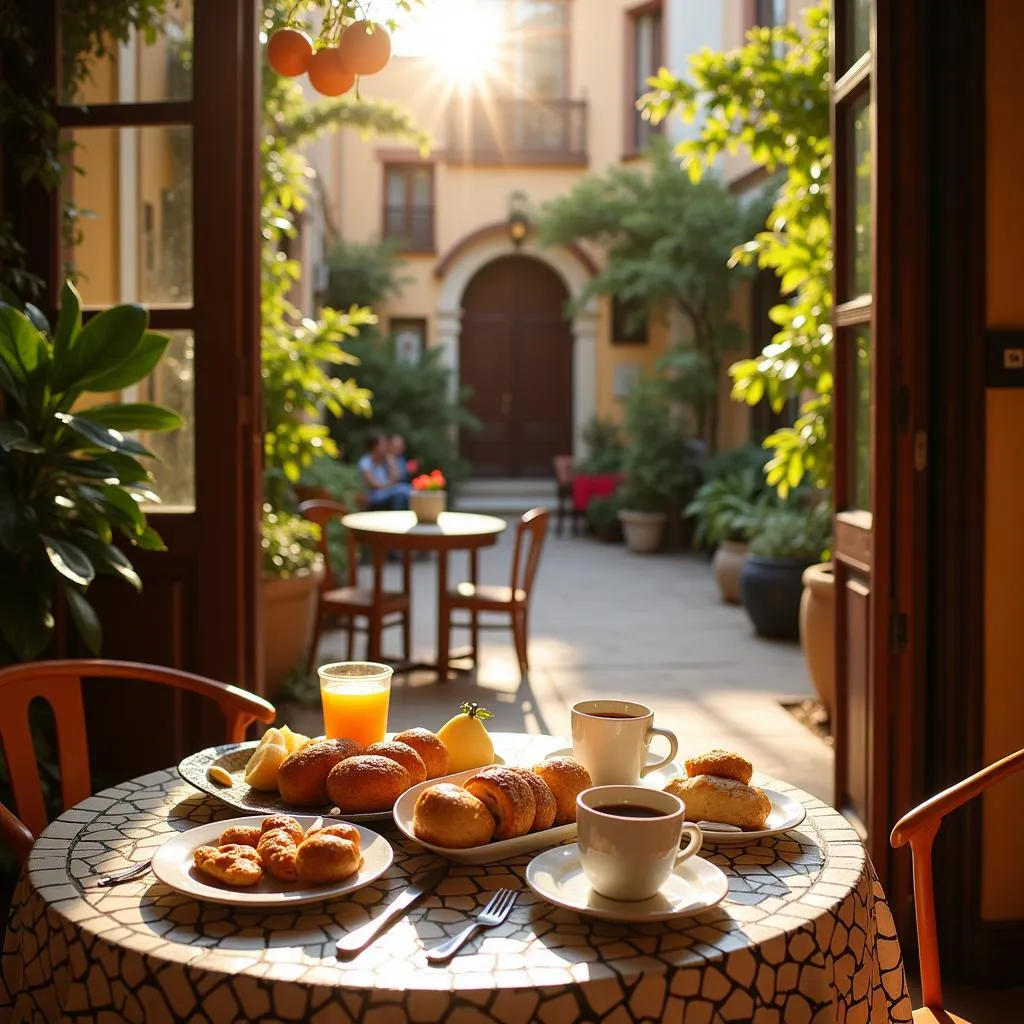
<point>515,353</point>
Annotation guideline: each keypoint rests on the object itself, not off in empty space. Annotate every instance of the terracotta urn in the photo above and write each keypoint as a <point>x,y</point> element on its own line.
<point>289,605</point>
<point>818,630</point>
<point>642,530</point>
<point>428,505</point>
<point>727,565</point>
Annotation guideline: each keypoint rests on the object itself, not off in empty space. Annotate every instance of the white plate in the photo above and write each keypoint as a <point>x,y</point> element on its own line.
<point>786,813</point>
<point>655,780</point>
<point>172,865</point>
<point>500,850</point>
<point>694,885</point>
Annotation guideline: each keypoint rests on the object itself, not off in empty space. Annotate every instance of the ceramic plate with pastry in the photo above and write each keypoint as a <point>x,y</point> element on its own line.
<point>722,796</point>
<point>272,860</point>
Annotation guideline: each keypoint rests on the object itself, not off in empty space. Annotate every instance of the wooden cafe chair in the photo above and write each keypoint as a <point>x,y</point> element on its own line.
<point>513,600</point>
<point>349,601</point>
<point>564,471</point>
<point>918,828</point>
<point>59,683</point>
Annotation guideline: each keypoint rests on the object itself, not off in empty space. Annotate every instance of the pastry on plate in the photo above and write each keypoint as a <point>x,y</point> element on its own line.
<point>726,764</point>
<point>711,798</point>
<point>566,778</point>
<point>283,821</point>
<point>405,755</point>
<point>231,864</point>
<point>448,815</point>
<point>277,850</point>
<point>507,796</point>
<point>429,747</point>
<point>341,829</point>
<point>366,783</point>
<point>325,858</point>
<point>302,777</point>
<point>544,800</point>
<point>240,835</point>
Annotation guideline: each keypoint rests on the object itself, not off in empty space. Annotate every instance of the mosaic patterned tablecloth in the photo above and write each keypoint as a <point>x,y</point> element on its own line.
<point>805,935</point>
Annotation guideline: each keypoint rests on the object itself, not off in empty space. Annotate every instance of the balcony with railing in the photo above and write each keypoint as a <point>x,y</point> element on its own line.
<point>514,131</point>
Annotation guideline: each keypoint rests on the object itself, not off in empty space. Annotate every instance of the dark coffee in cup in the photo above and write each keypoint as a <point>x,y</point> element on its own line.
<point>630,811</point>
<point>612,714</point>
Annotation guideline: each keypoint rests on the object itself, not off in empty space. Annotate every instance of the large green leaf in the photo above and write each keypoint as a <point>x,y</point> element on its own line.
<point>101,346</point>
<point>150,540</point>
<point>107,558</point>
<point>26,619</point>
<point>107,438</point>
<point>134,367</point>
<point>69,560</point>
<point>86,619</point>
<point>125,416</point>
<point>21,344</point>
<point>69,320</point>
<point>129,515</point>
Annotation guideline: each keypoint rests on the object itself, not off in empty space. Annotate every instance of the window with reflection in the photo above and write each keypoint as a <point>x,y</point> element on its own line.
<point>860,198</point>
<point>539,44</point>
<point>860,414</point>
<point>647,58</point>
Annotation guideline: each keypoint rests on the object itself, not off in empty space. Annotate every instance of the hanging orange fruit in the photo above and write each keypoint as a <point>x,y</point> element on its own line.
<point>366,47</point>
<point>289,52</point>
<point>328,72</point>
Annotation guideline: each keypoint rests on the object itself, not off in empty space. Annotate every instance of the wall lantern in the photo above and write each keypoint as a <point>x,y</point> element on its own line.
<point>518,220</point>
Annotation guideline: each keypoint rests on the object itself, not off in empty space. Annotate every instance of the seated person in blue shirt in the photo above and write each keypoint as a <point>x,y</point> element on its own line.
<point>377,470</point>
<point>401,466</point>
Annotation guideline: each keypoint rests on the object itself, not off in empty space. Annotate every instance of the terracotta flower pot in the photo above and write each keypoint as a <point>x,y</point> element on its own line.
<point>643,530</point>
<point>818,630</point>
<point>428,505</point>
<point>289,604</point>
<point>727,565</point>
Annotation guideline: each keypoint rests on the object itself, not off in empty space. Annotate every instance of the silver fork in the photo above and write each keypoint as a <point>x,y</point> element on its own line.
<point>127,875</point>
<point>493,914</point>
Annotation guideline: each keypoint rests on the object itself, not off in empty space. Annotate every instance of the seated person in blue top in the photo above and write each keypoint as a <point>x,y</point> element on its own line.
<point>377,470</point>
<point>401,466</point>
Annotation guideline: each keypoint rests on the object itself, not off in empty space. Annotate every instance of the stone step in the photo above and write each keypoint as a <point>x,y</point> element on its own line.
<point>503,505</point>
<point>508,487</point>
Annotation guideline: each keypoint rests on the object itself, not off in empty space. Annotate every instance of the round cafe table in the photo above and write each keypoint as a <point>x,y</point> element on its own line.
<point>804,935</point>
<point>401,531</point>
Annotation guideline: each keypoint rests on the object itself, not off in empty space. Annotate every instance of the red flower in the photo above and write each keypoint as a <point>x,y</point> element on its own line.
<point>434,481</point>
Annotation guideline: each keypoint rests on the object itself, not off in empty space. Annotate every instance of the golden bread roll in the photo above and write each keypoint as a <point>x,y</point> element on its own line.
<point>566,778</point>
<point>232,864</point>
<point>277,849</point>
<point>710,798</point>
<point>448,815</point>
<point>341,829</point>
<point>367,783</point>
<point>543,798</point>
<point>283,821</point>
<point>327,858</point>
<point>262,768</point>
<point>240,835</point>
<point>405,755</point>
<point>429,747</point>
<point>724,763</point>
<point>302,777</point>
<point>507,796</point>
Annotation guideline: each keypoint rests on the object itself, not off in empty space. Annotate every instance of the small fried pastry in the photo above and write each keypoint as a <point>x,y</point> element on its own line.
<point>429,747</point>
<point>405,755</point>
<point>277,849</point>
<point>710,798</point>
<point>341,829</point>
<point>544,799</point>
<point>724,763</point>
<point>507,796</point>
<point>240,835</point>
<point>231,864</point>
<point>302,777</point>
<point>285,821</point>
<point>448,815</point>
<point>327,858</point>
<point>566,778</point>
<point>367,783</point>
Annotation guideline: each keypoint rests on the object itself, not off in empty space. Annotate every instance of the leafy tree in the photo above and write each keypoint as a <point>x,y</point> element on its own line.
<point>666,241</point>
<point>363,273</point>
<point>771,96</point>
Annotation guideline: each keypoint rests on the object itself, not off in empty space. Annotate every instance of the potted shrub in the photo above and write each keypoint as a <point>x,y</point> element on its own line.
<point>292,573</point>
<point>603,518</point>
<point>785,543</point>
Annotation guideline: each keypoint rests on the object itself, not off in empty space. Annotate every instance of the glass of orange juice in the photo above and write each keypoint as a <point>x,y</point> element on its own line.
<point>355,697</point>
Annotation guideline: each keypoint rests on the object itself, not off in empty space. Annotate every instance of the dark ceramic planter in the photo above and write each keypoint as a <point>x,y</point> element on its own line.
<point>771,589</point>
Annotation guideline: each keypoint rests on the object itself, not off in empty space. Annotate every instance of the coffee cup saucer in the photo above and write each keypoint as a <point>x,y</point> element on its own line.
<point>658,779</point>
<point>694,885</point>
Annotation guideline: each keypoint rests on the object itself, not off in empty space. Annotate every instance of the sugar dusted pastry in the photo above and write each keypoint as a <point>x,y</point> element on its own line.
<point>544,800</point>
<point>232,864</point>
<point>367,783</point>
<point>302,777</point>
<point>240,835</point>
<point>726,764</point>
<point>341,829</point>
<point>710,798</point>
<point>405,755</point>
<point>430,748</point>
<point>325,858</point>
<point>277,850</point>
<point>566,778</point>
<point>507,796</point>
<point>448,815</point>
<point>283,821</point>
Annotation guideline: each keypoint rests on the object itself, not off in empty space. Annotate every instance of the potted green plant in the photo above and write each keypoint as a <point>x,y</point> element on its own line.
<point>603,518</point>
<point>785,543</point>
<point>71,474</point>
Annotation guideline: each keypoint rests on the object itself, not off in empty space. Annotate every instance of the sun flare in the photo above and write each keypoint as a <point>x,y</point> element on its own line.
<point>462,40</point>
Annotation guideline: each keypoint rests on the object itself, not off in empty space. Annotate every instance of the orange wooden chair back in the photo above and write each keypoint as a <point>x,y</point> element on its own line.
<point>323,512</point>
<point>530,534</point>
<point>919,828</point>
<point>59,683</point>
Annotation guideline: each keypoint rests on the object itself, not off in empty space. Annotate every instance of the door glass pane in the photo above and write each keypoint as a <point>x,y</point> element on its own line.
<point>421,188</point>
<point>860,412</point>
<point>858,30</point>
<point>131,212</point>
<point>149,66</point>
<point>539,39</point>
<point>859,213</point>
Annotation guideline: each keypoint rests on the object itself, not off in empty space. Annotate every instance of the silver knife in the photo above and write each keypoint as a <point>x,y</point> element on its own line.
<point>423,883</point>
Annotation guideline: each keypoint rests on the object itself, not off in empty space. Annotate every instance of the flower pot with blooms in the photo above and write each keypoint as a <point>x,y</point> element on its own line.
<point>428,498</point>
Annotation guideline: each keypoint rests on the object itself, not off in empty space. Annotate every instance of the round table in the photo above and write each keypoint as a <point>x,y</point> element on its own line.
<point>804,935</point>
<point>401,531</point>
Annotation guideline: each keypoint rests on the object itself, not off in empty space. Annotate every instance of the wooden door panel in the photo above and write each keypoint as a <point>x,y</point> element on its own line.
<point>542,397</point>
<point>484,367</point>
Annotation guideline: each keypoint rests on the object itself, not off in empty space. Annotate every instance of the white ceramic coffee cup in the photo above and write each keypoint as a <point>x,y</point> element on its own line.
<point>629,858</point>
<point>611,739</point>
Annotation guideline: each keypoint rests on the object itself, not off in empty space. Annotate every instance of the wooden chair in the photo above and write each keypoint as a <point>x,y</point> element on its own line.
<point>513,600</point>
<point>59,683</point>
<point>350,602</point>
<point>918,828</point>
<point>564,467</point>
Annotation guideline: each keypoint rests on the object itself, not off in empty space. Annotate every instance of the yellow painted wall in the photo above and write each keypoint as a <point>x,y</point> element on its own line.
<point>1002,895</point>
